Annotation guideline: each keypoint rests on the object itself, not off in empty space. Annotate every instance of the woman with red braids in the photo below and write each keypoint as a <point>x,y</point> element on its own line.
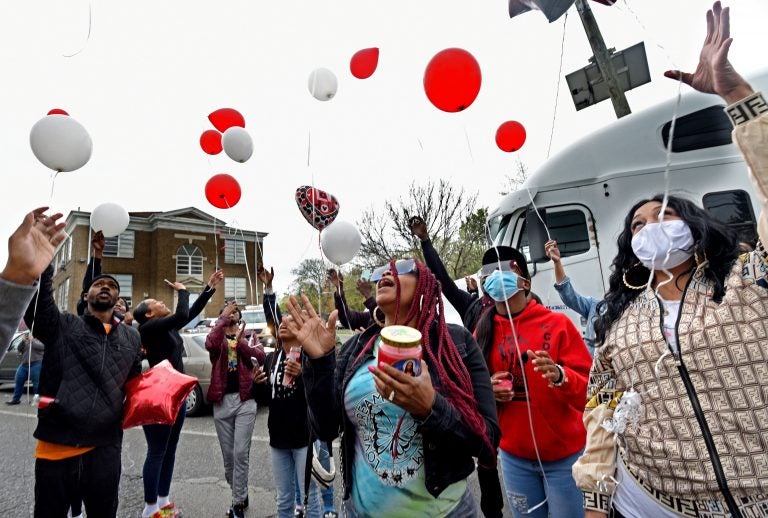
<point>408,441</point>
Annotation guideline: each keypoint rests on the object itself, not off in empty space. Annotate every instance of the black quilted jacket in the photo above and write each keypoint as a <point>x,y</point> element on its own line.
<point>84,369</point>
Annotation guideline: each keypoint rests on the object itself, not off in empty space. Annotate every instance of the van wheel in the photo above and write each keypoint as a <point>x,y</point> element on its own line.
<point>195,402</point>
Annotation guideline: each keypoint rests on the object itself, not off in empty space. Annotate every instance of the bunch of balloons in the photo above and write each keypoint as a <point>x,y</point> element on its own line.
<point>229,135</point>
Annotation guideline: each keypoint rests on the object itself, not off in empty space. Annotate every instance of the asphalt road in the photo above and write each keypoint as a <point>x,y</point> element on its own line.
<point>199,488</point>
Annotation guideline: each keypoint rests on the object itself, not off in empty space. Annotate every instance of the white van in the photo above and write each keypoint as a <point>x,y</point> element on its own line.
<point>585,191</point>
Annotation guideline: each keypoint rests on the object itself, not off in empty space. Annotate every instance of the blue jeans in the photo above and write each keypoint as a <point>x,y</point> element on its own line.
<point>524,484</point>
<point>321,447</point>
<point>286,466</point>
<point>22,373</point>
<point>161,455</point>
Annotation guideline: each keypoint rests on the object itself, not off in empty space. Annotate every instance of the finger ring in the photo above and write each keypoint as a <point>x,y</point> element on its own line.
<point>392,395</point>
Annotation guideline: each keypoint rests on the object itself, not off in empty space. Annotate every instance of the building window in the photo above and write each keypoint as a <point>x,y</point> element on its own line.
<point>189,260</point>
<point>62,295</point>
<point>120,246</point>
<point>63,255</point>
<point>126,286</point>
<point>733,208</point>
<point>234,288</point>
<point>234,251</point>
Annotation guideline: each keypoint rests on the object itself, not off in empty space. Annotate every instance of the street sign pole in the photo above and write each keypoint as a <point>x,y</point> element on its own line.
<point>603,59</point>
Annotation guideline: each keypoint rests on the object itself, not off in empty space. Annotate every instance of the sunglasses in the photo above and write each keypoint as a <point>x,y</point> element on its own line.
<point>504,266</point>
<point>403,267</point>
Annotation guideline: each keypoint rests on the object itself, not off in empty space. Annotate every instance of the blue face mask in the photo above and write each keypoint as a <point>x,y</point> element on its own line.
<point>501,286</point>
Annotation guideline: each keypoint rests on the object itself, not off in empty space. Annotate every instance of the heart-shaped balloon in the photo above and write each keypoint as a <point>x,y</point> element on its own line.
<point>318,207</point>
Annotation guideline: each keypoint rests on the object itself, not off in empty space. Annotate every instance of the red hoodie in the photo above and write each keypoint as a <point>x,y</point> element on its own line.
<point>556,411</point>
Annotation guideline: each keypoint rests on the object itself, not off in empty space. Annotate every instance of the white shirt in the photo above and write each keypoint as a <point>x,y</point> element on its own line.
<point>671,311</point>
<point>632,501</point>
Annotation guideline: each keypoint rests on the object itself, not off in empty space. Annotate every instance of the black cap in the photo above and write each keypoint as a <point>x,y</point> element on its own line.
<point>506,253</point>
<point>105,276</point>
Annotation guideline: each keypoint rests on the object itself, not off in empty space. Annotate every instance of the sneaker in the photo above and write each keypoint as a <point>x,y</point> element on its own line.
<point>13,402</point>
<point>298,513</point>
<point>170,511</point>
<point>330,514</point>
<point>236,511</point>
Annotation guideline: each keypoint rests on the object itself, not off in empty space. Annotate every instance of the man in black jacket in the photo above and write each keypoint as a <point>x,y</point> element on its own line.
<point>87,362</point>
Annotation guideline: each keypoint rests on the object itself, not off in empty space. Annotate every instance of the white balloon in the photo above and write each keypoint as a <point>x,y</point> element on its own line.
<point>110,218</point>
<point>60,143</point>
<point>237,143</point>
<point>340,241</point>
<point>323,84</point>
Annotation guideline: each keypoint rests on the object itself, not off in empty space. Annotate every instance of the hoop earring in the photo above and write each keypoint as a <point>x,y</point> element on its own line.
<point>700,263</point>
<point>376,318</point>
<point>628,285</point>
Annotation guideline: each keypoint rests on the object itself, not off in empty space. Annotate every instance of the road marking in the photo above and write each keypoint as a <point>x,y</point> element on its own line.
<point>257,438</point>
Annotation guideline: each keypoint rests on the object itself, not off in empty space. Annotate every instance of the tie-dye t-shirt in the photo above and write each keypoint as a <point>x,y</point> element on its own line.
<point>233,380</point>
<point>388,468</point>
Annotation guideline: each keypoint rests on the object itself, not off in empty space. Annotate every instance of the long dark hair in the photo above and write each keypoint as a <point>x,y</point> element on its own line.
<point>713,242</point>
<point>455,383</point>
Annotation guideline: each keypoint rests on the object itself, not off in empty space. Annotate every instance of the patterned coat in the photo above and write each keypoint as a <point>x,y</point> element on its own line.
<point>725,352</point>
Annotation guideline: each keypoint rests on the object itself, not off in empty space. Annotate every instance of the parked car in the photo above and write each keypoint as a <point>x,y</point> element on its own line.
<point>12,359</point>
<point>255,320</point>
<point>203,326</point>
<point>196,363</point>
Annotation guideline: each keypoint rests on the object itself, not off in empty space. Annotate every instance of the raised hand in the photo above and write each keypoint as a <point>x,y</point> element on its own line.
<point>714,73</point>
<point>316,337</point>
<point>550,248</point>
<point>31,246</point>
<point>215,279</point>
<point>98,241</point>
<point>364,287</point>
<point>266,276</point>
<point>418,227</point>
<point>471,284</point>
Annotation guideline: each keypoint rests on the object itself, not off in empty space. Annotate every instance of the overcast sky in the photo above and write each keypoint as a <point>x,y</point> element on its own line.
<point>150,72</point>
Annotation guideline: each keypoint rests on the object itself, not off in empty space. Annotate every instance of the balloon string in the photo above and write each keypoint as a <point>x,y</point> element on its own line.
<point>53,184</point>
<point>469,146</point>
<point>421,146</point>
<point>245,257</point>
<point>88,37</point>
<point>309,145</point>
<point>215,243</point>
<point>557,90</point>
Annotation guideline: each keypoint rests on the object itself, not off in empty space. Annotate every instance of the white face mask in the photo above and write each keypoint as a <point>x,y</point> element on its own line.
<point>661,246</point>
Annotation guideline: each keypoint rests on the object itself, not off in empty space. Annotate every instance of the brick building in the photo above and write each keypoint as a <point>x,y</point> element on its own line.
<point>178,245</point>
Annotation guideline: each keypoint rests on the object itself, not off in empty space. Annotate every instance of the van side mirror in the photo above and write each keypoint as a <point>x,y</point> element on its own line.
<point>537,234</point>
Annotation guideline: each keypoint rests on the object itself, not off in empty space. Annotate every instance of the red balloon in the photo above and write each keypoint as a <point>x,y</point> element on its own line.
<point>57,111</point>
<point>363,64</point>
<point>318,207</point>
<point>210,141</point>
<point>225,118</point>
<point>452,80</point>
<point>222,191</point>
<point>510,136</point>
<point>155,396</point>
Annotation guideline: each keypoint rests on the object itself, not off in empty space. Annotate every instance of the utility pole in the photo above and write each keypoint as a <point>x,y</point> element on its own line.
<point>603,59</point>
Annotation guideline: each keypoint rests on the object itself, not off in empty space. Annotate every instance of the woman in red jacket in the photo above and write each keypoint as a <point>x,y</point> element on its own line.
<point>540,368</point>
<point>234,410</point>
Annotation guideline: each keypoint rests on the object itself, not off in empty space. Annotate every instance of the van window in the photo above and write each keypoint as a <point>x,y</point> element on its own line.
<point>702,129</point>
<point>497,227</point>
<point>733,208</point>
<point>567,227</point>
